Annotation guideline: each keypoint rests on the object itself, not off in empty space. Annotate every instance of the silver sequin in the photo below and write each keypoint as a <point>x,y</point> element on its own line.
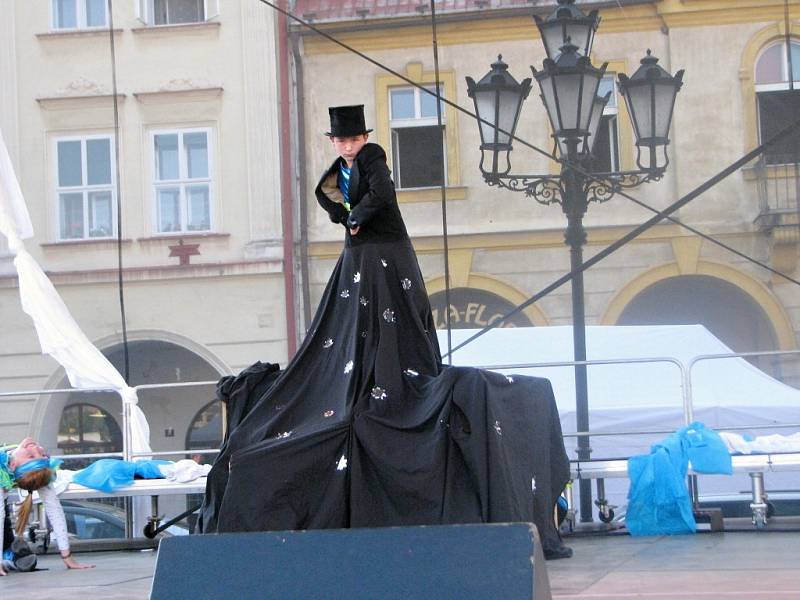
<point>497,428</point>
<point>342,464</point>
<point>283,435</point>
<point>327,343</point>
<point>345,293</point>
<point>379,393</point>
<point>384,263</point>
<point>349,366</point>
<point>411,372</point>
<point>533,484</point>
<point>357,277</point>
<point>328,413</point>
<point>388,315</point>
<point>406,283</point>
<point>363,334</point>
<point>363,301</point>
<point>510,379</point>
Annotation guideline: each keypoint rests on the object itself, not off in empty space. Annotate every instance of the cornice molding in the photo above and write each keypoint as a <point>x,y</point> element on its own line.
<point>75,33</point>
<point>157,273</point>
<point>157,30</point>
<point>551,238</point>
<point>518,25</point>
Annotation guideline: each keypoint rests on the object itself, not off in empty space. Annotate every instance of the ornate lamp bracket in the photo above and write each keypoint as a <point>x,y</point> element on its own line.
<point>549,189</point>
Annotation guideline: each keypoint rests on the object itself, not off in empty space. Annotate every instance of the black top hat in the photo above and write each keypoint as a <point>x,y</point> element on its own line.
<point>347,121</point>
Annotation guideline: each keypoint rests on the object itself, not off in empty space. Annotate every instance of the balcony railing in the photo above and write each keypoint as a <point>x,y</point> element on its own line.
<point>778,183</point>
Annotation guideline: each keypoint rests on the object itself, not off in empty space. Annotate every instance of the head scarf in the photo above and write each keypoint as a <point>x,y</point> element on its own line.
<point>9,476</point>
<point>6,474</point>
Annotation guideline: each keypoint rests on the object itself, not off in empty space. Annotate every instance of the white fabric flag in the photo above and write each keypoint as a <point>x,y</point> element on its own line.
<point>59,334</point>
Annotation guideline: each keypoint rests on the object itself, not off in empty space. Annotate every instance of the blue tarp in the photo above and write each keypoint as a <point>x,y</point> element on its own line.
<point>108,474</point>
<point>658,501</point>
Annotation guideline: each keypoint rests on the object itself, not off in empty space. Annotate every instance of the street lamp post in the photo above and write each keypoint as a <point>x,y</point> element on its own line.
<point>569,83</point>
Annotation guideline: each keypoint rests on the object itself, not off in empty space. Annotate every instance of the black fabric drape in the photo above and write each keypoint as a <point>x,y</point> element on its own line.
<point>365,428</point>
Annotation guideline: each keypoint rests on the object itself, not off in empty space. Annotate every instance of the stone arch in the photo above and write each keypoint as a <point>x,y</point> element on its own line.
<point>48,407</point>
<point>750,54</point>
<point>753,289</point>
<point>488,283</point>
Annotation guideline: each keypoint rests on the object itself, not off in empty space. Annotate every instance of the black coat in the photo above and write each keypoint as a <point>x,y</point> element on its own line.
<point>373,203</point>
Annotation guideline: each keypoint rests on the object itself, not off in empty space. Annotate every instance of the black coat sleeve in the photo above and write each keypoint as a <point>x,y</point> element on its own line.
<point>372,164</point>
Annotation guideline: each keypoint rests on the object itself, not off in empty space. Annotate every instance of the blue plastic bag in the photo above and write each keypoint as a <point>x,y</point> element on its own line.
<point>658,500</point>
<point>108,474</point>
<point>707,452</point>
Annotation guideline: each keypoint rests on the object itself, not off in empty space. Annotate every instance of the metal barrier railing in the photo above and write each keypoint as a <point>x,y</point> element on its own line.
<point>685,397</point>
<point>685,371</point>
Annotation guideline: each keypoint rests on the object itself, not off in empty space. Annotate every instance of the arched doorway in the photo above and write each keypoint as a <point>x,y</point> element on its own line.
<point>472,308</point>
<point>723,308</point>
<point>205,431</point>
<point>87,429</point>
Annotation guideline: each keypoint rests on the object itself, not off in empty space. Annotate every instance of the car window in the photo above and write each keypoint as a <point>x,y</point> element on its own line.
<point>91,528</point>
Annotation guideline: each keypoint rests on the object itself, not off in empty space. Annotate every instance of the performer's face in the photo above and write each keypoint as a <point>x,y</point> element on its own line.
<point>348,147</point>
<point>28,449</point>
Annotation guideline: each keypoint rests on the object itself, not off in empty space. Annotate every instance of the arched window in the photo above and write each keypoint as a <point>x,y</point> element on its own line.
<point>777,79</point>
<point>205,431</point>
<point>87,429</point>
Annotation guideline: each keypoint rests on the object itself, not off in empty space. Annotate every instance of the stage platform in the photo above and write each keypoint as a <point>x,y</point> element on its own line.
<point>757,565</point>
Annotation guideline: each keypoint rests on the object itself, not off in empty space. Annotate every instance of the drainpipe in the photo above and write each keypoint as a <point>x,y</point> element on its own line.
<point>300,190</point>
<point>287,198</point>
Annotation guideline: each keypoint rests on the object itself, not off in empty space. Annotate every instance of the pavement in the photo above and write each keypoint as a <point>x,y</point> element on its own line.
<point>756,565</point>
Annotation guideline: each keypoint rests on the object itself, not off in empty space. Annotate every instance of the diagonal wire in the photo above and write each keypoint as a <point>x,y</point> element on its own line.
<point>561,160</point>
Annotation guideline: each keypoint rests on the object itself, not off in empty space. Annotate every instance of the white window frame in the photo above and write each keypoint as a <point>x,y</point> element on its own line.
<point>613,111</point>
<point>85,188</point>
<point>80,16</point>
<point>145,11</point>
<point>774,87</point>
<point>416,121</point>
<point>183,181</point>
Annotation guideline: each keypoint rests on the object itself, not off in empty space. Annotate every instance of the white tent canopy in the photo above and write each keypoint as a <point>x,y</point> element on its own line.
<point>722,383</point>
<point>646,397</point>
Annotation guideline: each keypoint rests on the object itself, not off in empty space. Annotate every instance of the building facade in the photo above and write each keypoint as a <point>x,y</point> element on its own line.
<point>198,181</point>
<point>504,247</point>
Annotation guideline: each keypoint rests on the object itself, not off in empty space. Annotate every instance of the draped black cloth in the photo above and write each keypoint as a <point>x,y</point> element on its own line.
<point>365,428</point>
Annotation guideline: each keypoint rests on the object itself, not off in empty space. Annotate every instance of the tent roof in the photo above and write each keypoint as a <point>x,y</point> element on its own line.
<point>727,383</point>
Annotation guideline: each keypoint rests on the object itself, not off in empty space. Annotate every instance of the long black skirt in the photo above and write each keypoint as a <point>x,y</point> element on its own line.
<point>365,428</point>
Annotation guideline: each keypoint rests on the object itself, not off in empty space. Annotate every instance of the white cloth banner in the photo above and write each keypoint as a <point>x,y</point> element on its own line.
<point>59,334</point>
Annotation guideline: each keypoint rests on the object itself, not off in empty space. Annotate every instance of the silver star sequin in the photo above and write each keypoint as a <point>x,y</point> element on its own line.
<point>379,393</point>
<point>363,301</point>
<point>283,435</point>
<point>388,315</point>
<point>497,428</point>
<point>345,293</point>
<point>406,283</point>
<point>357,277</point>
<point>328,413</point>
<point>510,379</point>
<point>384,263</point>
<point>327,343</point>
<point>348,367</point>
<point>342,464</point>
<point>411,372</point>
<point>363,334</point>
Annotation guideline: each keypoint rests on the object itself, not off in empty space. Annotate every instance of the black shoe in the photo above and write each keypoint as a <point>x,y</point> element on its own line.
<point>20,547</point>
<point>24,558</point>
<point>560,551</point>
<point>25,563</point>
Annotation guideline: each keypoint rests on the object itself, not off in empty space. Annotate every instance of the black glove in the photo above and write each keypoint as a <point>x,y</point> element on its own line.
<point>351,222</point>
<point>338,214</point>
